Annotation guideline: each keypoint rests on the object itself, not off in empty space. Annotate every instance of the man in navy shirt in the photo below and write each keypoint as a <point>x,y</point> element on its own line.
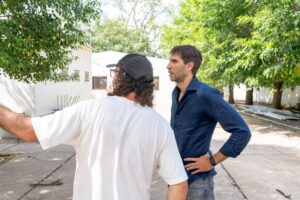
<point>196,109</point>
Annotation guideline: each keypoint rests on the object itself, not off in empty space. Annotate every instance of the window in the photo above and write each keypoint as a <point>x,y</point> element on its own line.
<point>77,75</point>
<point>156,83</point>
<point>87,76</point>
<point>99,82</point>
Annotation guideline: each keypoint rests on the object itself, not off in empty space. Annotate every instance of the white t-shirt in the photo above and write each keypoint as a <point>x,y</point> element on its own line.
<point>118,143</point>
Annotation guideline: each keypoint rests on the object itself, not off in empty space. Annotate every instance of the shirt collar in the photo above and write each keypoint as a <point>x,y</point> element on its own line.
<point>193,85</point>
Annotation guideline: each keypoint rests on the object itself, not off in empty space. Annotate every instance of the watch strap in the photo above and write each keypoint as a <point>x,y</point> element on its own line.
<point>212,161</point>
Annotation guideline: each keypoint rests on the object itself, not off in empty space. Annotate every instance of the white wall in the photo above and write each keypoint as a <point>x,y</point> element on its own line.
<point>83,63</point>
<point>162,96</point>
<point>44,98</point>
<point>63,94</point>
<point>289,97</point>
<point>162,99</point>
<point>59,95</point>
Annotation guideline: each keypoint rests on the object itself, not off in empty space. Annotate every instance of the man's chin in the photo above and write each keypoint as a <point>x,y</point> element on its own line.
<point>171,78</point>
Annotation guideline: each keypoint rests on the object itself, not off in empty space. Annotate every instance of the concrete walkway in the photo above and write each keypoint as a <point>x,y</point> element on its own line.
<point>268,169</point>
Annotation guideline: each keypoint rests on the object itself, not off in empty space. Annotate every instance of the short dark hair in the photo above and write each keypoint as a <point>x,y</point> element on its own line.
<point>189,53</point>
<point>126,84</point>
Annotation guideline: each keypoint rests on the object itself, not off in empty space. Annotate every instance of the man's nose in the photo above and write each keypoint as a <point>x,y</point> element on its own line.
<point>168,65</point>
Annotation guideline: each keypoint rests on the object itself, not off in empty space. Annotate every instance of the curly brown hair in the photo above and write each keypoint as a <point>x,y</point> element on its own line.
<point>125,84</point>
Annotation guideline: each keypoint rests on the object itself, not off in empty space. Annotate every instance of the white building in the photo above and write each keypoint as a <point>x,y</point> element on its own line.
<point>289,97</point>
<point>46,97</point>
<point>101,80</point>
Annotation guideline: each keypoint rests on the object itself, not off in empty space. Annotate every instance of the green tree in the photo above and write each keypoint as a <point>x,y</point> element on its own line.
<point>274,45</point>
<point>115,35</point>
<point>213,26</point>
<point>243,41</point>
<point>139,17</point>
<point>37,36</point>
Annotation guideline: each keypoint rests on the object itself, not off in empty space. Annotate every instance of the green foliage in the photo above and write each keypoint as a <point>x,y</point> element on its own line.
<point>36,36</point>
<point>115,35</point>
<point>298,106</point>
<point>274,42</point>
<point>186,28</point>
<point>211,26</point>
<point>243,41</point>
<point>134,28</point>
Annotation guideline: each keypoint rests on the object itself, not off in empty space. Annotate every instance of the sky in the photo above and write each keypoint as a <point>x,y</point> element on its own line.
<point>112,12</point>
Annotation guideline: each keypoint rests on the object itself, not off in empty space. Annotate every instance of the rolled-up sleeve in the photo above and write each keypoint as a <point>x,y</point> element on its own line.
<point>231,121</point>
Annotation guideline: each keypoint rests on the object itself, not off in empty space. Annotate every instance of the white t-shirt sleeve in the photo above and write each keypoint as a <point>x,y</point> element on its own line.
<point>170,166</point>
<point>62,127</point>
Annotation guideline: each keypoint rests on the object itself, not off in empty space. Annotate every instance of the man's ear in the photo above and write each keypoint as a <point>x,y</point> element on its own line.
<point>190,66</point>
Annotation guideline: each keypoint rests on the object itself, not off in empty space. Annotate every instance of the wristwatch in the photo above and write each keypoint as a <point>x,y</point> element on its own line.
<point>212,161</point>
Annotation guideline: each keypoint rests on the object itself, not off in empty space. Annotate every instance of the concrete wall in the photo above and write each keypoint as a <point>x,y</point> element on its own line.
<point>63,94</point>
<point>289,97</point>
<point>59,95</point>
<point>44,98</point>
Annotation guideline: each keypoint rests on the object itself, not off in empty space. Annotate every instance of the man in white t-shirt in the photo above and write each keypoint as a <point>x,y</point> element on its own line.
<point>119,140</point>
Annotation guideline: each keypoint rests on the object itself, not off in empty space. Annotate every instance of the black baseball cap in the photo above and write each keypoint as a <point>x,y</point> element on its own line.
<point>137,66</point>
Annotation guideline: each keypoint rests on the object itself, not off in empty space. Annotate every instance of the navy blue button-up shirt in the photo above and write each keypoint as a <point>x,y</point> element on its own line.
<point>194,119</point>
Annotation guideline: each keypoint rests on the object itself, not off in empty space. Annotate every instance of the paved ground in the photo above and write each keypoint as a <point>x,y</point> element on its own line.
<point>267,170</point>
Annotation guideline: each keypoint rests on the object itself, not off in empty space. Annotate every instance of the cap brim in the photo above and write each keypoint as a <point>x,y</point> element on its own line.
<point>111,65</point>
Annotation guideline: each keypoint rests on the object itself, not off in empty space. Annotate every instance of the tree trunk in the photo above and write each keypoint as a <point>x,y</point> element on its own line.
<point>231,94</point>
<point>276,101</point>
<point>249,96</point>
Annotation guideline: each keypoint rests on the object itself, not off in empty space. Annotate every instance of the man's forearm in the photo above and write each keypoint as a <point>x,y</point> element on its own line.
<point>178,191</point>
<point>219,157</point>
<point>17,125</point>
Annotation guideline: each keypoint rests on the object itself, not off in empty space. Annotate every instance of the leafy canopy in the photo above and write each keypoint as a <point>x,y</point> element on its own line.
<point>243,41</point>
<point>36,36</point>
<point>115,35</point>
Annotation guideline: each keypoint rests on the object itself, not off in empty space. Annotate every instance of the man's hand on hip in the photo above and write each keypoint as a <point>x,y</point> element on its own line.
<point>200,164</point>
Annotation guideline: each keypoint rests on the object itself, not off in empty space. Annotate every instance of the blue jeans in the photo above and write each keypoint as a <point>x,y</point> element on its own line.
<point>201,189</point>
